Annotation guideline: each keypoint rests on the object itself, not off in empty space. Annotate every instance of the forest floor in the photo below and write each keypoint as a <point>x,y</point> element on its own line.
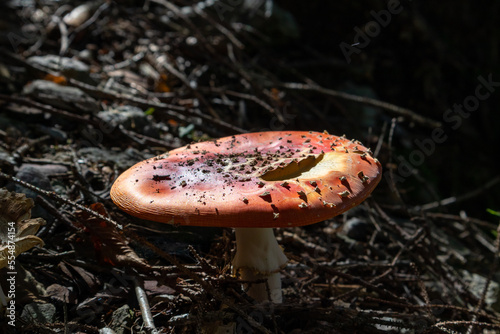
<point>88,91</point>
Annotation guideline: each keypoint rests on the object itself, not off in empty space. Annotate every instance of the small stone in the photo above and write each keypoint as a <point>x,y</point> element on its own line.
<point>357,229</point>
<point>39,313</point>
<point>121,320</point>
<point>63,97</point>
<point>131,118</point>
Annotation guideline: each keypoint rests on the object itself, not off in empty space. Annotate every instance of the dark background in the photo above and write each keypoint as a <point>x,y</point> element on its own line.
<point>427,59</point>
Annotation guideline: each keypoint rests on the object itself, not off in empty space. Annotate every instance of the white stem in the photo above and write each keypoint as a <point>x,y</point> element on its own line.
<point>258,256</point>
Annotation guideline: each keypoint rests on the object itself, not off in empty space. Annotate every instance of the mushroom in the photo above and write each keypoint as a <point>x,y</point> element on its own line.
<point>252,182</point>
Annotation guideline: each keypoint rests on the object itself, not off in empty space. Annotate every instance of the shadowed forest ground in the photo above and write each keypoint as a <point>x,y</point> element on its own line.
<point>88,91</point>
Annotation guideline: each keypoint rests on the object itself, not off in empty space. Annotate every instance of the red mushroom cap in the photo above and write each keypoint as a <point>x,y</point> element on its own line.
<point>263,179</point>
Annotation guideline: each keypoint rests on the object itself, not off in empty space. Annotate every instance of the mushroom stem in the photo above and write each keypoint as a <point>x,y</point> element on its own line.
<point>258,256</point>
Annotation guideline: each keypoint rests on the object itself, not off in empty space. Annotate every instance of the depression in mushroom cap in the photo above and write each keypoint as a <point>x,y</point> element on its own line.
<point>263,179</point>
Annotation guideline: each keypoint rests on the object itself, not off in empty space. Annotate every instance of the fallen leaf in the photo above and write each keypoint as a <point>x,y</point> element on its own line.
<point>61,293</point>
<point>17,228</point>
<point>109,244</point>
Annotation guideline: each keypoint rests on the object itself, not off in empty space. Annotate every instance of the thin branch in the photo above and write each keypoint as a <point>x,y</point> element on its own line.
<point>457,199</point>
<point>142,299</point>
<point>407,113</point>
<point>56,197</point>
